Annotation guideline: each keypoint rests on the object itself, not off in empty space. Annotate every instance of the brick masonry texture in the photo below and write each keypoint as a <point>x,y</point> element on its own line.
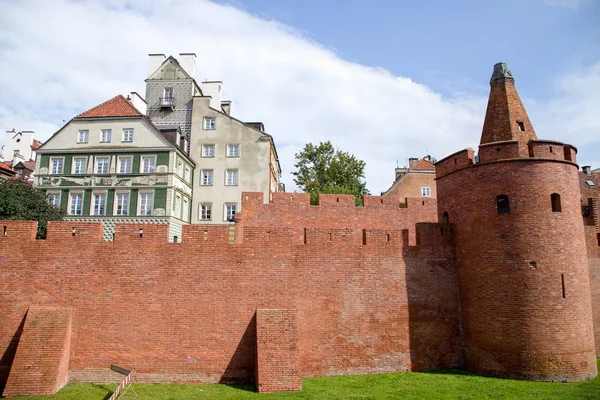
<point>372,291</point>
<point>41,362</point>
<point>278,361</point>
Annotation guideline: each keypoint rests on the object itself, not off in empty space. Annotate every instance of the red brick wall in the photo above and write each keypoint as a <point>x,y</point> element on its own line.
<point>368,298</point>
<point>277,356</point>
<point>514,319</point>
<point>41,363</point>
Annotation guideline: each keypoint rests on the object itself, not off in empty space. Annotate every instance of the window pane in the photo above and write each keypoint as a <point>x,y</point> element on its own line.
<point>122,204</point>
<point>232,177</point>
<point>57,166</point>
<point>206,211</point>
<point>146,204</point>
<point>207,177</point>
<point>79,165</point>
<point>128,135</point>
<point>148,165</point>
<point>99,204</point>
<point>76,204</point>
<point>125,165</point>
<point>233,150</point>
<point>105,135</point>
<point>102,165</point>
<point>82,136</point>
<point>208,150</point>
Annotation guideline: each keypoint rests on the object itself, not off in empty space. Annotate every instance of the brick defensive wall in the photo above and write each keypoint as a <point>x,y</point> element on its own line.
<point>344,286</point>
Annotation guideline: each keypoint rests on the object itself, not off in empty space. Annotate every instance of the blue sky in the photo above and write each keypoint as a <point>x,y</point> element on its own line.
<point>385,80</point>
<point>446,44</point>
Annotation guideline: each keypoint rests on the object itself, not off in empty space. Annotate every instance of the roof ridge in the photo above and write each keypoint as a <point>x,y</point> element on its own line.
<point>117,106</point>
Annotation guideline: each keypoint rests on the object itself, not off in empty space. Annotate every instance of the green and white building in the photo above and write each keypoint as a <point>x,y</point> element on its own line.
<point>113,165</point>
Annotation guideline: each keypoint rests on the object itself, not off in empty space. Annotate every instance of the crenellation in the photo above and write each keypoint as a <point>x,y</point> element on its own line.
<point>460,159</point>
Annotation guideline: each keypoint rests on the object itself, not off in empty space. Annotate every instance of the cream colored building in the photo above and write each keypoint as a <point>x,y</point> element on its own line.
<point>230,156</point>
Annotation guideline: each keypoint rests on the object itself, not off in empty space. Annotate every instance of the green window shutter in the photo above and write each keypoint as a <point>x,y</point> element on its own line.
<point>67,166</point>
<point>87,200</point>
<point>110,200</point>
<point>64,199</point>
<point>133,197</point>
<point>160,198</point>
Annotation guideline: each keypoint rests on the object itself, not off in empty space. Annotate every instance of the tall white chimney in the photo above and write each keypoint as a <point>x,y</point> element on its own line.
<point>213,89</point>
<point>188,63</point>
<point>155,61</point>
<point>138,102</point>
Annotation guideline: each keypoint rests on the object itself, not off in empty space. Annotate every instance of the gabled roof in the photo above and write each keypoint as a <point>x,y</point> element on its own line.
<point>30,165</point>
<point>422,165</point>
<point>176,73</point>
<point>118,106</point>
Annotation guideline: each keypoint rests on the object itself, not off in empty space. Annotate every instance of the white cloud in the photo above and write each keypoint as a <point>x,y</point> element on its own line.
<point>63,57</point>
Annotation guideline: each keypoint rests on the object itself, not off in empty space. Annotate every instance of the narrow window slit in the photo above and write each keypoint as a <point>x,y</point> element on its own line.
<point>304,235</point>
<point>73,231</point>
<point>364,237</point>
<point>562,280</point>
<point>521,126</point>
<point>387,237</point>
<point>4,230</point>
<point>141,232</point>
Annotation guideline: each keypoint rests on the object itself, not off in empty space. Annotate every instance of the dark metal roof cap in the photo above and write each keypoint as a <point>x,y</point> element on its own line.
<point>501,73</point>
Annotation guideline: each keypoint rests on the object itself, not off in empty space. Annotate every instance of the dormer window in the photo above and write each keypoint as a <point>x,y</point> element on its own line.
<point>521,126</point>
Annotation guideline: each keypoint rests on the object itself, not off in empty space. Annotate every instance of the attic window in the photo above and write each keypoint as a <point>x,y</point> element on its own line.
<point>521,126</point>
<point>590,183</point>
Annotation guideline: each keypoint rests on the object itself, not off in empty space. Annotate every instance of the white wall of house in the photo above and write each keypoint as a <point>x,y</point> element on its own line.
<point>252,164</point>
<point>18,141</point>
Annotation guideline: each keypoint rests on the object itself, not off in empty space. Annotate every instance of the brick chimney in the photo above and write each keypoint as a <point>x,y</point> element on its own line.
<point>506,118</point>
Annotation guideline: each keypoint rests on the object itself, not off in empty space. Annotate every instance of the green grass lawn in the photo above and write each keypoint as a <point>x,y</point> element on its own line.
<point>411,385</point>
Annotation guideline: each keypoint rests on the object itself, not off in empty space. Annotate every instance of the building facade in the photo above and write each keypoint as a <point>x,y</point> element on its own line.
<point>418,180</point>
<point>111,164</point>
<point>230,156</point>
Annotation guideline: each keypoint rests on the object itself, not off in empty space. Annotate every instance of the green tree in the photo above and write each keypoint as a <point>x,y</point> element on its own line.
<point>323,169</point>
<point>20,200</point>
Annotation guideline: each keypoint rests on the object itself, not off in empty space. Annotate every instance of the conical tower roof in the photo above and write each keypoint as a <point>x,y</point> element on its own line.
<point>505,118</point>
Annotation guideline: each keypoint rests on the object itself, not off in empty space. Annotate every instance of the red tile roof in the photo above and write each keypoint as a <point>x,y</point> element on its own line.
<point>36,144</point>
<point>118,106</point>
<point>422,165</point>
<point>7,167</point>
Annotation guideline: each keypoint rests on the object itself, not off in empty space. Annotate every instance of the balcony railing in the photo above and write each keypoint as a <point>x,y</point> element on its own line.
<point>167,102</point>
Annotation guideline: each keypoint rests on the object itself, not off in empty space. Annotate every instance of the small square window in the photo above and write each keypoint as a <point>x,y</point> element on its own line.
<point>105,135</point>
<point>208,150</point>
<point>231,177</point>
<point>521,126</point>
<point>148,164</point>
<point>210,123</point>
<point>426,191</point>
<point>230,210</point>
<point>206,211</point>
<point>56,166</point>
<point>102,165</point>
<point>83,136</point>
<point>590,183</point>
<point>79,165</point>
<point>128,135</point>
<point>206,177</point>
<point>233,150</point>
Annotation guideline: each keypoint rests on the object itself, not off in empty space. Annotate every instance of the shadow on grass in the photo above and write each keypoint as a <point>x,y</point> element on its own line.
<point>457,371</point>
<point>243,386</point>
<point>105,387</point>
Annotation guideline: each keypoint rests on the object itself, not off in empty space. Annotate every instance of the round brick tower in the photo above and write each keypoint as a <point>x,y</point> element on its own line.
<point>521,252</point>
